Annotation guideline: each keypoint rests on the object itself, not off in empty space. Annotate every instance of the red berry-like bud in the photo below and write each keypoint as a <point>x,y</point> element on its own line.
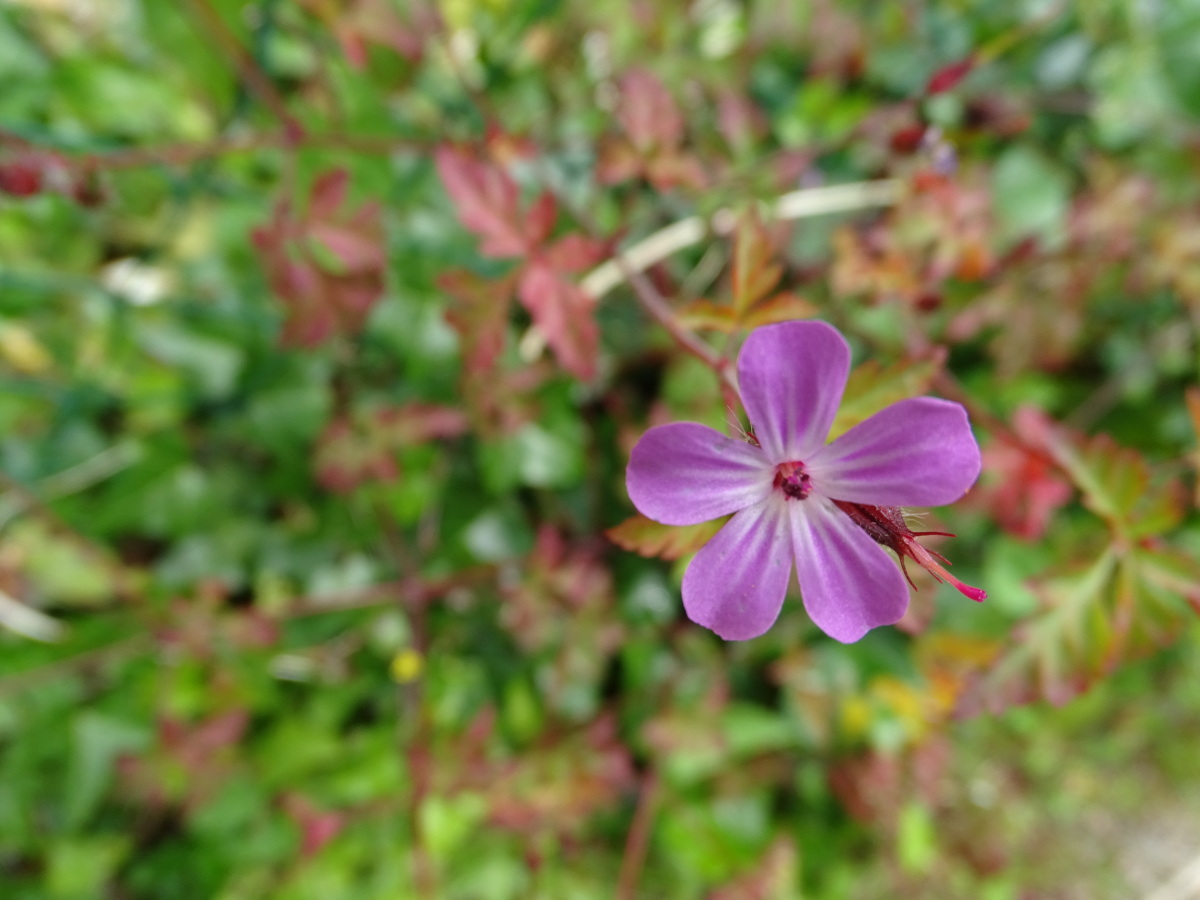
<point>20,179</point>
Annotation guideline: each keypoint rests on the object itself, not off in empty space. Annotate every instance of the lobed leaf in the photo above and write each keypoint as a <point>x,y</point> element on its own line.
<point>647,112</point>
<point>564,314</point>
<point>754,274</point>
<point>646,537</point>
<point>873,387</point>
<point>487,201</point>
<point>783,307</point>
<point>705,314</point>
<point>1116,484</point>
<point>1128,603</point>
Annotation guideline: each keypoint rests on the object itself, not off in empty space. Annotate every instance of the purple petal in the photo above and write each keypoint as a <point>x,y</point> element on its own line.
<point>736,583</point>
<point>686,473</point>
<point>791,377</point>
<point>917,452</point>
<point>849,583</point>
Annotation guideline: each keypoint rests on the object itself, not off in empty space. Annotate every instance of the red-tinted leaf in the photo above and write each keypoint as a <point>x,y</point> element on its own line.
<point>487,202</point>
<point>907,139</point>
<point>479,313</point>
<point>1023,488</point>
<point>707,314</point>
<point>333,293</point>
<point>328,194</point>
<point>539,220</point>
<point>199,742</point>
<point>348,454</point>
<point>558,786</point>
<point>403,28</point>
<point>564,314</point>
<point>948,77</point>
<point>645,537</point>
<point>783,307</point>
<point>617,161</point>
<point>1193,406</point>
<point>88,190</point>
<point>675,169</point>
<point>754,274</point>
<point>354,450</point>
<point>416,423</point>
<point>648,113</point>
<point>772,876</point>
<point>575,252</point>
<point>356,249</point>
<point>317,827</point>
<point>741,123</point>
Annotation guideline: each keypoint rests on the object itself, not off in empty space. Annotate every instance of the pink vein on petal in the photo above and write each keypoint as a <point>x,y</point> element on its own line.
<point>736,584</point>
<point>792,376</point>
<point>918,452</point>
<point>686,473</point>
<point>848,583</point>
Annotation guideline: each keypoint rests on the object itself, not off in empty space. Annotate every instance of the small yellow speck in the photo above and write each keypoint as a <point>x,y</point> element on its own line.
<point>407,665</point>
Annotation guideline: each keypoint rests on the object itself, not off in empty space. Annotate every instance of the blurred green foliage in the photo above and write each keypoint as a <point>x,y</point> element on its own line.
<point>304,582</point>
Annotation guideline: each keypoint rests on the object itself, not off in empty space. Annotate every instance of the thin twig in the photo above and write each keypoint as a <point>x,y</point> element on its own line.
<point>637,842</point>
<point>124,579</point>
<point>187,153</point>
<point>252,75</point>
<point>800,204</point>
<point>53,672</point>
<point>413,592</point>
<point>652,301</point>
<point>29,622</point>
<point>627,265</point>
<point>656,305</point>
<point>79,477</point>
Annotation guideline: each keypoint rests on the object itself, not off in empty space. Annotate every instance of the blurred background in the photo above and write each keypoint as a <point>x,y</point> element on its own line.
<point>318,577</point>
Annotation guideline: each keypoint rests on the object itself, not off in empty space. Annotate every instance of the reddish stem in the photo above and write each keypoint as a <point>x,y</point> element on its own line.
<point>249,71</point>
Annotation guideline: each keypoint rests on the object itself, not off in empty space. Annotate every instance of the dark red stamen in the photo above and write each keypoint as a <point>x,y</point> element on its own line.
<point>791,478</point>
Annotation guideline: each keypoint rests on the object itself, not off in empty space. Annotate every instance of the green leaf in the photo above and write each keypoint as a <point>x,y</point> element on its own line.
<point>1058,653</point>
<point>80,869</point>
<point>872,387</point>
<point>645,537</point>
<point>1116,484</point>
<point>916,839</point>
<point>446,822</point>
<point>782,307</point>
<point>1128,603</point>
<point>705,314</point>
<point>97,742</point>
<point>751,730</point>
<point>1031,196</point>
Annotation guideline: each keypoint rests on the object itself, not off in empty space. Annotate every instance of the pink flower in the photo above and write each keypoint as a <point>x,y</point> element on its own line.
<point>827,508</point>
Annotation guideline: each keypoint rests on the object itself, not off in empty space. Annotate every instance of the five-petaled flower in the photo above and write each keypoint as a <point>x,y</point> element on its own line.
<point>830,508</point>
